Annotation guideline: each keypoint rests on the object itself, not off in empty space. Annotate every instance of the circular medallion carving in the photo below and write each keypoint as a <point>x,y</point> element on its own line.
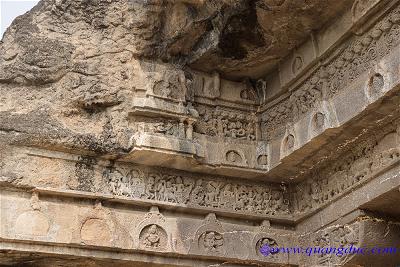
<point>266,247</point>
<point>233,157</point>
<point>153,237</point>
<point>96,231</point>
<point>262,160</point>
<point>32,223</point>
<point>211,241</point>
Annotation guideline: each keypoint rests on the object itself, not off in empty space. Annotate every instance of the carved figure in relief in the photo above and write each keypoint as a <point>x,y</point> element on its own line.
<point>389,156</point>
<point>151,187</point>
<point>289,142</point>
<point>261,87</point>
<point>212,241</point>
<point>319,120</point>
<point>114,183</point>
<point>122,183</point>
<point>323,240</point>
<point>351,236</point>
<point>297,64</point>
<point>224,123</point>
<point>136,184</point>
<point>164,128</point>
<point>179,190</point>
<point>152,238</point>
<point>160,190</point>
<point>251,129</point>
<point>250,200</point>
<point>212,193</point>
<point>197,196</point>
<point>241,196</point>
<point>266,204</point>
<point>262,160</point>
<point>227,197</point>
<point>233,156</point>
<point>188,187</point>
<point>316,193</point>
<point>170,191</point>
<point>258,199</point>
<point>278,202</point>
<point>265,243</point>
<point>324,185</point>
<point>175,189</point>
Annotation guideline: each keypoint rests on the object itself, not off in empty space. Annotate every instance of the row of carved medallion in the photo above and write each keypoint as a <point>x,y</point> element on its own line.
<point>352,58</point>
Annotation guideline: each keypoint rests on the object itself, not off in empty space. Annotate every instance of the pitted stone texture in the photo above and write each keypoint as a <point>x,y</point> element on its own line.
<point>227,36</point>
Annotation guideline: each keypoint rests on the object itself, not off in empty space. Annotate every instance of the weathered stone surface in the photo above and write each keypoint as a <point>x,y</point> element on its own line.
<point>194,132</point>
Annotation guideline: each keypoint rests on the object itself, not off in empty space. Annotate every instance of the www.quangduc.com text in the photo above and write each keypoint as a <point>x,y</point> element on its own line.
<point>267,250</point>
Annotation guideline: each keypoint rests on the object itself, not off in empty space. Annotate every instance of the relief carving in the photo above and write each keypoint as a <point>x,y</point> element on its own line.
<point>248,93</point>
<point>33,223</point>
<point>261,87</point>
<point>336,237</point>
<point>356,57</point>
<point>97,227</point>
<point>153,232</point>
<point>262,160</point>
<point>190,191</point>
<point>212,241</point>
<point>318,121</point>
<point>233,157</point>
<point>226,123</point>
<point>166,127</point>
<point>209,238</point>
<point>153,237</point>
<point>351,170</point>
<point>264,242</point>
<point>297,64</point>
<point>170,85</point>
<point>289,143</point>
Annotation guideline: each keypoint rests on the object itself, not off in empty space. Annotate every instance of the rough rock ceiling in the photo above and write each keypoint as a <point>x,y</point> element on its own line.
<point>253,39</point>
<point>237,38</point>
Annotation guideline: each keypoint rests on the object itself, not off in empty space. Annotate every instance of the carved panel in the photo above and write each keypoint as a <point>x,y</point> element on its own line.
<point>189,191</point>
<point>352,169</point>
<point>227,123</point>
<point>356,57</point>
<point>153,237</point>
<point>335,237</point>
<point>153,232</point>
<point>209,238</point>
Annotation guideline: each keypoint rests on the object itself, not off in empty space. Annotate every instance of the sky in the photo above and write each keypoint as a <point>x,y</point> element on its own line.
<point>10,9</point>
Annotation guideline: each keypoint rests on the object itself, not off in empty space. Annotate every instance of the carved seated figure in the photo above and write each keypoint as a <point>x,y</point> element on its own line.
<point>152,239</point>
<point>212,241</point>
